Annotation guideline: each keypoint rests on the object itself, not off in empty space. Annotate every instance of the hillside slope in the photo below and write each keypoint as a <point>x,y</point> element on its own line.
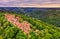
<point>49,16</point>
<point>39,29</point>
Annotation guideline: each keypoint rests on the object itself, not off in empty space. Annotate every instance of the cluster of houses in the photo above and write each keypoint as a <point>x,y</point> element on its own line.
<point>24,26</point>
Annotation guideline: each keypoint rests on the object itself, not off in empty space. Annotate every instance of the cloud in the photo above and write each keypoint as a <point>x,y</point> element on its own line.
<point>27,2</point>
<point>6,0</point>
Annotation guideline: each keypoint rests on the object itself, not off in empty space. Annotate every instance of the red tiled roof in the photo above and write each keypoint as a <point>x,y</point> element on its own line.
<point>24,26</point>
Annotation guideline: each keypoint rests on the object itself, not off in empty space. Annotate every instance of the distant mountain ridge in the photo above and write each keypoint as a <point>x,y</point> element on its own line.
<point>25,10</point>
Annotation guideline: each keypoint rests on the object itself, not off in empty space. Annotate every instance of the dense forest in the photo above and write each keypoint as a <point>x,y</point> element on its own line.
<point>39,29</point>
<point>48,16</point>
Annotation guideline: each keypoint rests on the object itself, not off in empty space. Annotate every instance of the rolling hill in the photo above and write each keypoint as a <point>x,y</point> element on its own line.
<point>49,16</point>
<point>39,29</point>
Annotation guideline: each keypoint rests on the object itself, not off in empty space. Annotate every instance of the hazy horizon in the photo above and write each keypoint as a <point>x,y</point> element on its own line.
<point>29,3</point>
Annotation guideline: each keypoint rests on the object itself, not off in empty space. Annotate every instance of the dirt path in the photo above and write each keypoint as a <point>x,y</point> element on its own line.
<point>24,26</point>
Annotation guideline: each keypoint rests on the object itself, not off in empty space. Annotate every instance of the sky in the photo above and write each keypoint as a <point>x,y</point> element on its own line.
<point>29,3</point>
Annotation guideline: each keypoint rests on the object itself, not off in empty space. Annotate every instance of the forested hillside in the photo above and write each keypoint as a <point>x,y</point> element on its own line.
<point>38,28</point>
<point>48,16</point>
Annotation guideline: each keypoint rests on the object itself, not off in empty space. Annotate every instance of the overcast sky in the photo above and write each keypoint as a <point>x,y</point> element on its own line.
<point>27,2</point>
